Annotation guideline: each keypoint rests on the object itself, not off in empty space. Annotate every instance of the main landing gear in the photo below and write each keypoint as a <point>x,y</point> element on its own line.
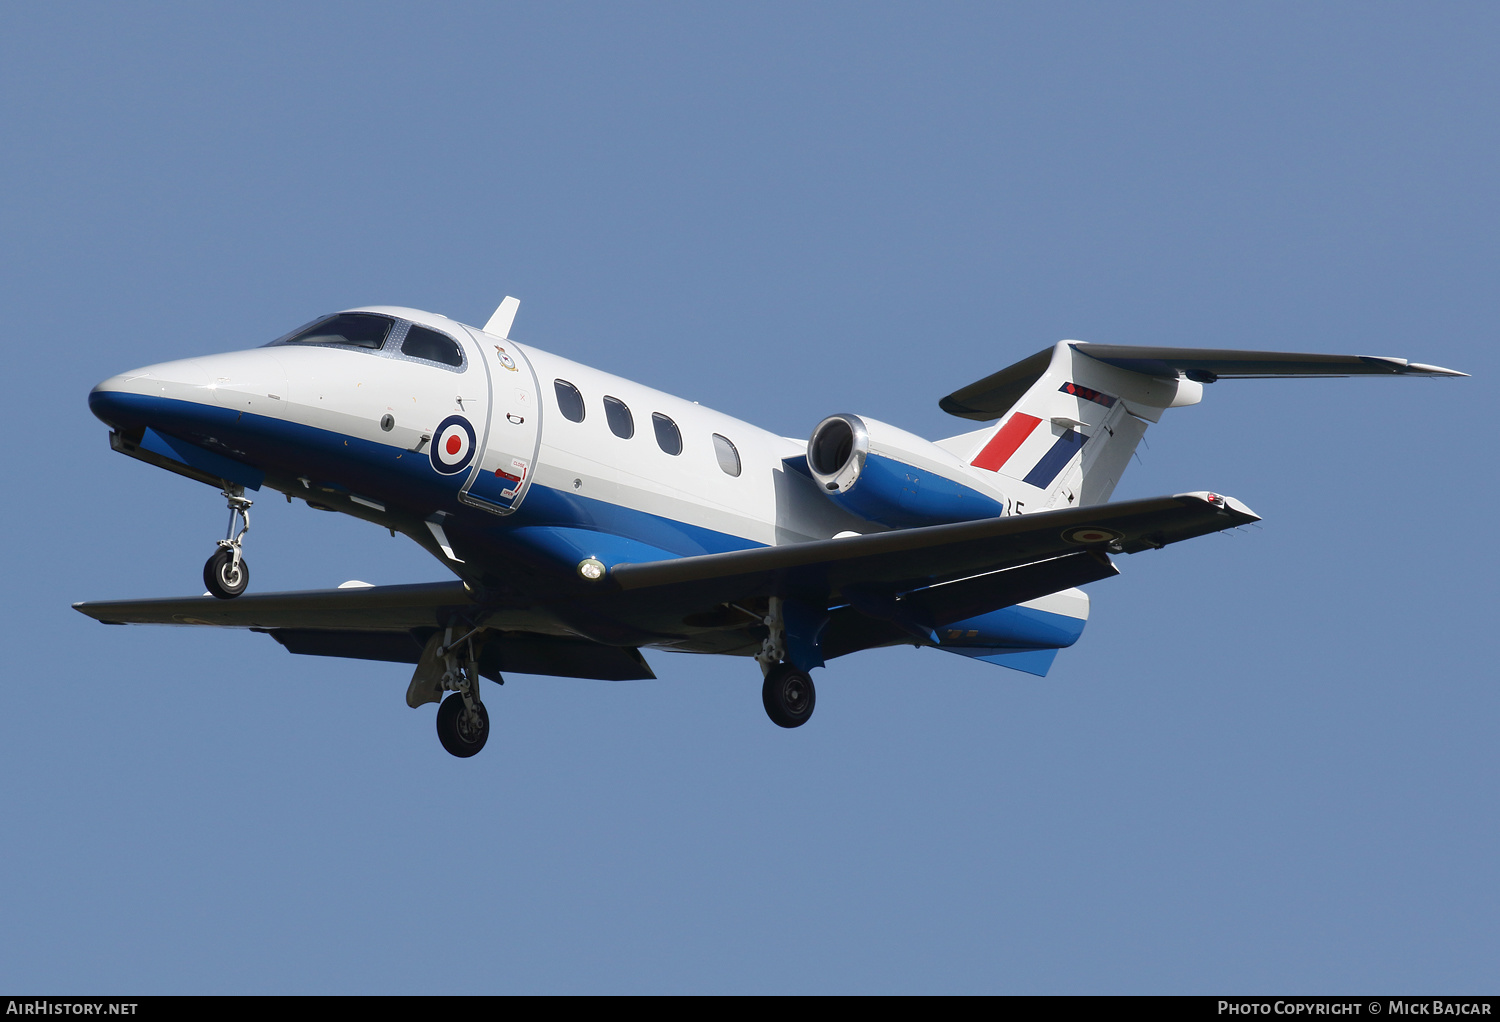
<point>788,693</point>
<point>463,724</point>
<point>462,731</point>
<point>227,574</point>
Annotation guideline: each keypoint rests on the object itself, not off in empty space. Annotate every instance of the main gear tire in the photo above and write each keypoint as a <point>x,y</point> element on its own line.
<point>457,732</point>
<point>789,696</point>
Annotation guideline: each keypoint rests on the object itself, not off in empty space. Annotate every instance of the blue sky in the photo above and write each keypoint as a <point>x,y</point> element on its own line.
<point>1269,765</point>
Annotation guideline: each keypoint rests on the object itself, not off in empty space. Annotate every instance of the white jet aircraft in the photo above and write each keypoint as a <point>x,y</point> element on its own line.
<point>587,516</point>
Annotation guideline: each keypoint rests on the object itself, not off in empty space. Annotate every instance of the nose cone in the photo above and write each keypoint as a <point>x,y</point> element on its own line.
<point>106,404</point>
<point>244,381</point>
<point>126,400</point>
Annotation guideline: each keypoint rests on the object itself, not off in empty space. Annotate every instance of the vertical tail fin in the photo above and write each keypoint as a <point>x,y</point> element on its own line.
<point>1071,429</point>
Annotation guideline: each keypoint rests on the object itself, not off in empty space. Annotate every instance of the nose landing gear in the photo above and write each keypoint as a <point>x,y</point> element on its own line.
<point>227,574</point>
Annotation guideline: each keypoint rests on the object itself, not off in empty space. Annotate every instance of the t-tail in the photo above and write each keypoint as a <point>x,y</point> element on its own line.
<point>1070,417</point>
<point>1066,423</point>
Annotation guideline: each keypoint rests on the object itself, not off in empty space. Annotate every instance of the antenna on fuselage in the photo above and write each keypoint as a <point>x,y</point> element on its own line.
<point>500,323</point>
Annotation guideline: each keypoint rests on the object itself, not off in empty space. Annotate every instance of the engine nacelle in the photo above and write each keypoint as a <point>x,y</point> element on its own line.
<point>887,475</point>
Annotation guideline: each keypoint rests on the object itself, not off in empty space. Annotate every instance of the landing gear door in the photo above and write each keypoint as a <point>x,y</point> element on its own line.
<point>502,474</point>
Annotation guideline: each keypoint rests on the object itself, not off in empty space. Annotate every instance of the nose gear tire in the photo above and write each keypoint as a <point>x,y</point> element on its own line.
<point>222,578</point>
<point>788,695</point>
<point>457,733</point>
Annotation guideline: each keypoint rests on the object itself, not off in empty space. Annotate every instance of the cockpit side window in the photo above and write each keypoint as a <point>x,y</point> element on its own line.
<point>432,346</point>
<point>349,330</point>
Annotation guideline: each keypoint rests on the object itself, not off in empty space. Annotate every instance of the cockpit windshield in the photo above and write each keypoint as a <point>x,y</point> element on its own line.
<point>350,329</point>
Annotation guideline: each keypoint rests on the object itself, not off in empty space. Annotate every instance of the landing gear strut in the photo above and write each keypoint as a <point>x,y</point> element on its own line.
<point>227,574</point>
<point>788,693</point>
<point>463,724</point>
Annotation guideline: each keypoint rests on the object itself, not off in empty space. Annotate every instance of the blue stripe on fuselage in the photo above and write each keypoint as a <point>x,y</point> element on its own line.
<point>550,521</point>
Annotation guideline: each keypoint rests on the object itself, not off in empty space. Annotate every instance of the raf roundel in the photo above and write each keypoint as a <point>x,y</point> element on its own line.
<point>1091,534</point>
<point>452,445</point>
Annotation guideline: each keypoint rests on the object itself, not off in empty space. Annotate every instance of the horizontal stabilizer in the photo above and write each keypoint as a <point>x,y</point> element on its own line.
<point>1222,363</point>
<point>997,393</point>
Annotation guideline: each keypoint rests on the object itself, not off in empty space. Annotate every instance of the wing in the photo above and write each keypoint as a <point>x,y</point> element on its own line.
<point>941,573</point>
<point>910,559</point>
<point>372,608</point>
<point>896,587</point>
<point>390,623</point>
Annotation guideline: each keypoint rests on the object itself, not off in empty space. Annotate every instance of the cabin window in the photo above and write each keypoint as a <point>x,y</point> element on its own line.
<point>350,330</point>
<point>729,458</point>
<point>621,423</point>
<point>668,436</point>
<point>432,346</point>
<point>569,401</point>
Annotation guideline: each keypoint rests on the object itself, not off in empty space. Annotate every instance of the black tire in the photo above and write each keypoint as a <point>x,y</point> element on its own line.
<point>456,737</point>
<point>789,696</point>
<point>221,578</point>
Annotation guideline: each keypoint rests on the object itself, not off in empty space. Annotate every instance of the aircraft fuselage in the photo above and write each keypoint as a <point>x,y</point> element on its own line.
<point>511,465</point>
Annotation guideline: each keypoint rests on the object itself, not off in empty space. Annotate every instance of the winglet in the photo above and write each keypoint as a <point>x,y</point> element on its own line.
<point>1427,370</point>
<point>500,323</point>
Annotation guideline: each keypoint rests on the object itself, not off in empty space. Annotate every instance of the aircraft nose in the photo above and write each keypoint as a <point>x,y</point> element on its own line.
<point>125,400</point>
<point>105,401</point>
